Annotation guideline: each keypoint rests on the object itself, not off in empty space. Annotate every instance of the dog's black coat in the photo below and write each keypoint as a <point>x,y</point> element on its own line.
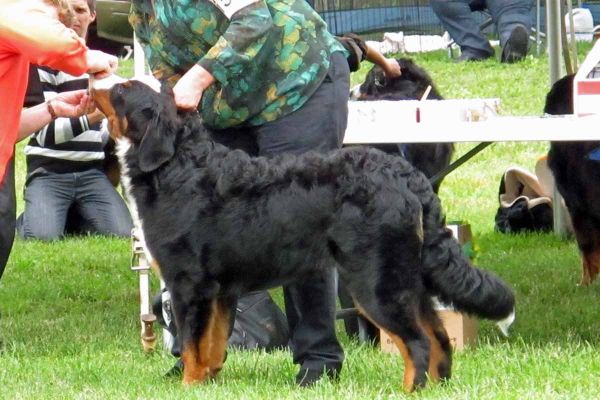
<point>577,180</point>
<point>221,223</point>
<point>430,158</point>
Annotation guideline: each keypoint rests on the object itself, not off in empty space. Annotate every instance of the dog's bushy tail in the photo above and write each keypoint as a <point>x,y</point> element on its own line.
<point>450,276</point>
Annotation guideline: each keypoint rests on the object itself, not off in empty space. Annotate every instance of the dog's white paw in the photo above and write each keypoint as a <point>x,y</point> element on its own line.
<point>505,323</point>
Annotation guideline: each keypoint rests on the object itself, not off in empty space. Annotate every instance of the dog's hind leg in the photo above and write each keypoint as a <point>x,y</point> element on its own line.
<point>388,289</point>
<point>440,360</point>
<point>403,325</point>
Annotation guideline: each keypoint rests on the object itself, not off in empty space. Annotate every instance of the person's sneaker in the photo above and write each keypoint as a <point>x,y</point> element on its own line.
<point>308,377</point>
<point>515,48</point>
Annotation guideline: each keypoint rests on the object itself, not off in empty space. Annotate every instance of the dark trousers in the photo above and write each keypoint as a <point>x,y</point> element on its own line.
<point>319,125</point>
<point>457,18</point>
<point>7,214</point>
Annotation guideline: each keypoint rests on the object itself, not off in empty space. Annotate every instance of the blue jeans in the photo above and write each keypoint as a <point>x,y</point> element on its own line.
<point>457,18</point>
<point>49,197</point>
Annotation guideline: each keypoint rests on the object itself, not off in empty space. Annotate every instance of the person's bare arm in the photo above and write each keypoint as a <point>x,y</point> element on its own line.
<point>67,104</point>
<point>389,65</point>
<point>35,32</point>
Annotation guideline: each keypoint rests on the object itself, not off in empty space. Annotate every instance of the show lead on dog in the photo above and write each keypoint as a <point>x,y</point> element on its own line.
<point>30,32</point>
<point>268,78</point>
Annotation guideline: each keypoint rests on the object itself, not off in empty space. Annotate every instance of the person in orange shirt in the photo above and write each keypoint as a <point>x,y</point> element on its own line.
<point>31,32</point>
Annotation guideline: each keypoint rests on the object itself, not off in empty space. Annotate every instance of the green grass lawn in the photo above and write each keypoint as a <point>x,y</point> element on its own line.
<point>69,310</point>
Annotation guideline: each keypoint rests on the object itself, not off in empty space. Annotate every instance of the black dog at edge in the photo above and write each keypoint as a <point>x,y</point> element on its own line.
<point>219,223</point>
<point>578,181</point>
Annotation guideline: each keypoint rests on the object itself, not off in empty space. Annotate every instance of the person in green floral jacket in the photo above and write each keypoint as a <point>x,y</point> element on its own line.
<point>267,78</point>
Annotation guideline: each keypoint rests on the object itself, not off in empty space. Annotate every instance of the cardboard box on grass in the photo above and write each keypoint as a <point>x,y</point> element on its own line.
<point>462,329</point>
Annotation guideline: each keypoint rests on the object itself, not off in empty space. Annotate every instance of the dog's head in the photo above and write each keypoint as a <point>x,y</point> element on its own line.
<point>559,100</point>
<point>140,112</point>
<point>411,85</point>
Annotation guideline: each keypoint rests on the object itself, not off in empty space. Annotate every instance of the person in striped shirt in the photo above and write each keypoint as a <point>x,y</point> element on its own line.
<point>31,32</point>
<point>66,190</point>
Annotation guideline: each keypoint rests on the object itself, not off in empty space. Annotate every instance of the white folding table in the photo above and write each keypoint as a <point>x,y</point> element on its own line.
<point>461,121</point>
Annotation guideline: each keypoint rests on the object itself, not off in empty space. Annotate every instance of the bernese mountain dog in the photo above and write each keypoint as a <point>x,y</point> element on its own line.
<point>218,223</point>
<point>577,177</point>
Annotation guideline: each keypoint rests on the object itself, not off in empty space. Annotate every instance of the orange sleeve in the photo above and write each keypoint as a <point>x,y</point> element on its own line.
<point>43,40</point>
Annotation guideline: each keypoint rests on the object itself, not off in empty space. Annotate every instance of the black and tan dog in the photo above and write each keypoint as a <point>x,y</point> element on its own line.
<point>429,158</point>
<point>219,223</point>
<point>577,178</point>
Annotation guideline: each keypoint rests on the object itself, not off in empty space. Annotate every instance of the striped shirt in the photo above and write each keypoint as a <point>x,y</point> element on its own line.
<point>66,144</point>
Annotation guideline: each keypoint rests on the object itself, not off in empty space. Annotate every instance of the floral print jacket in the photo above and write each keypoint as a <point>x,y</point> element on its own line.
<point>267,56</point>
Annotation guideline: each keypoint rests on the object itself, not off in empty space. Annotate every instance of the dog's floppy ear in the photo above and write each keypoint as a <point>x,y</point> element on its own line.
<point>158,144</point>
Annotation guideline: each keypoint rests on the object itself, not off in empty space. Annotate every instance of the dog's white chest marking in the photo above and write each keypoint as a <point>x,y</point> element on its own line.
<point>122,146</point>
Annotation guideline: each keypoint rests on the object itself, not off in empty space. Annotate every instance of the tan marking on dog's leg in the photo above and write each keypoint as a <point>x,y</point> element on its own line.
<point>591,267</point>
<point>409,366</point>
<point>439,336</point>
<point>436,354</point>
<point>585,273</point>
<point>194,370</point>
<point>220,335</point>
<point>195,356</point>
